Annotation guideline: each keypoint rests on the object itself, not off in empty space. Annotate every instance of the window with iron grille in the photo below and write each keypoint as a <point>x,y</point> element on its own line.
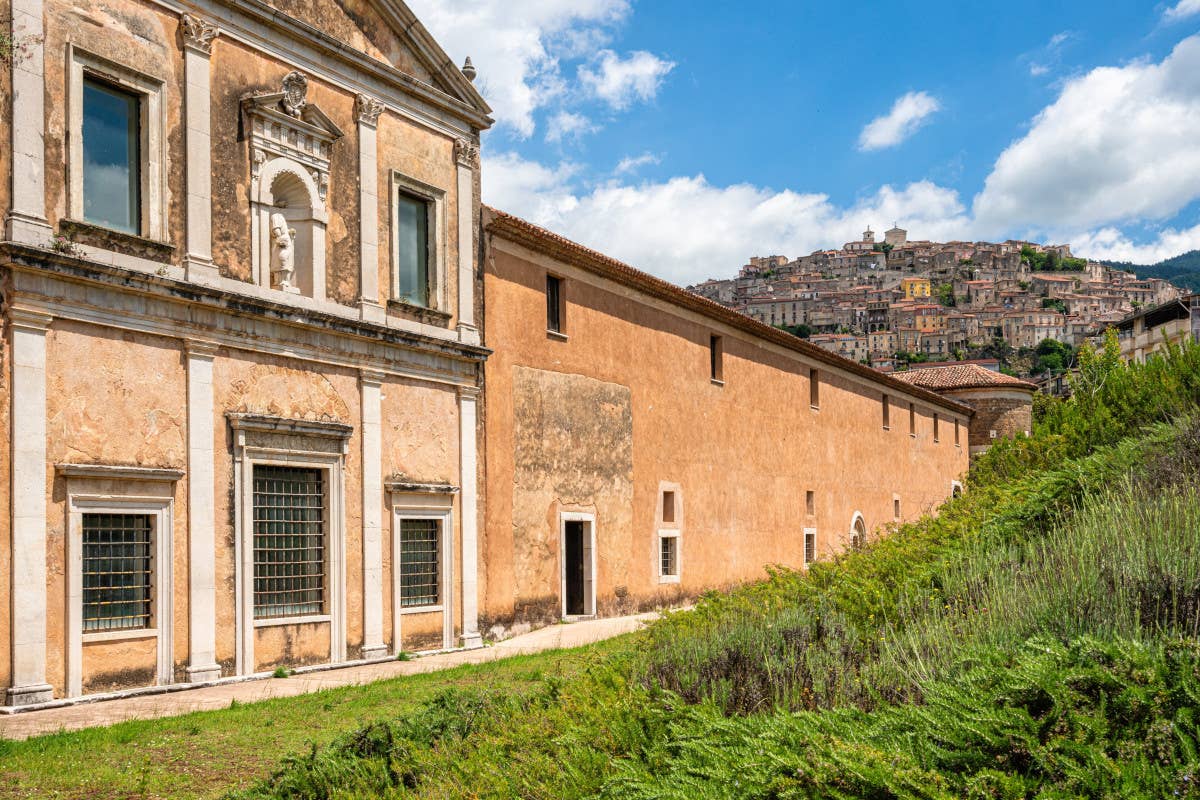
<point>669,556</point>
<point>810,547</point>
<point>117,570</point>
<point>289,541</point>
<point>420,551</point>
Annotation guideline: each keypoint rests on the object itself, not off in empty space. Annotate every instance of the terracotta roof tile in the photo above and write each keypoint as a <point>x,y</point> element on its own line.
<point>960,376</point>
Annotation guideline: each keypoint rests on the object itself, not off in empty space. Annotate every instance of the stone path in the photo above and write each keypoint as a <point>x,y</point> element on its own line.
<point>108,712</point>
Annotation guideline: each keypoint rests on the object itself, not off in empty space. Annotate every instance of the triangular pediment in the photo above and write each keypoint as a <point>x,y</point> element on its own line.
<point>311,116</point>
<point>388,31</point>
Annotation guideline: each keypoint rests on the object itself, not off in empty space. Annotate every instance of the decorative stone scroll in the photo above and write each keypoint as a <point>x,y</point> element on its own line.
<point>367,109</point>
<point>198,34</point>
<point>466,153</point>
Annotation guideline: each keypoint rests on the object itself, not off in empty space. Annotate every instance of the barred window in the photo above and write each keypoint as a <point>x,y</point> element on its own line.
<point>419,560</point>
<point>289,541</point>
<point>116,571</point>
<point>668,556</point>
<point>810,547</point>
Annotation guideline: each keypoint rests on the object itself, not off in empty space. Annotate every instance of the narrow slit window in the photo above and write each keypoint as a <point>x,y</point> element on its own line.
<point>289,542</point>
<point>117,571</point>
<point>668,555</point>
<point>668,512</point>
<point>956,434</point>
<point>554,307</point>
<point>887,413</point>
<point>814,388</point>
<point>112,168</point>
<point>936,428</point>
<point>716,357</point>
<point>412,249</point>
<point>896,508</point>
<point>420,560</point>
<point>912,419</point>
<point>810,503</point>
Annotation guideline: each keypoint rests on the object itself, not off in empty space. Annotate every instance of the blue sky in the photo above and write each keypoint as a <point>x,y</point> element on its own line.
<point>685,137</point>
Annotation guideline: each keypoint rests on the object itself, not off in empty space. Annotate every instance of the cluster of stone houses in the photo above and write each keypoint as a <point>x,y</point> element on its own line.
<point>934,299</point>
<point>278,390</point>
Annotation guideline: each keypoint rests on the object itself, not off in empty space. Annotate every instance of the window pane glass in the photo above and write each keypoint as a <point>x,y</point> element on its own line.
<point>289,542</point>
<point>412,258</point>
<point>116,571</point>
<point>111,158</point>
<point>418,562</point>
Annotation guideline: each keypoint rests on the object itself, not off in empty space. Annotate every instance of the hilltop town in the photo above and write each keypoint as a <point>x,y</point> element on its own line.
<point>896,301</point>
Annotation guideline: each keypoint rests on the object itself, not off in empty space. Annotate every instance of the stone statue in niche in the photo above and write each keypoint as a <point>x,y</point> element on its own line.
<point>283,254</point>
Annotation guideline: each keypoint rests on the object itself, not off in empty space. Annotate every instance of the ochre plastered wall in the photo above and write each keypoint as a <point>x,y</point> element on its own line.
<point>5,118</point>
<point>743,453</point>
<point>101,385</point>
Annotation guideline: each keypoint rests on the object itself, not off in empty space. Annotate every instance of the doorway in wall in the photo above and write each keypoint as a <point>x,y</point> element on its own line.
<point>577,591</point>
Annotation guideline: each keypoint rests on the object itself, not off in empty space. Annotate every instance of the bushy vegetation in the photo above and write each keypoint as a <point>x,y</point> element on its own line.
<point>1037,638</point>
<point>1051,261</point>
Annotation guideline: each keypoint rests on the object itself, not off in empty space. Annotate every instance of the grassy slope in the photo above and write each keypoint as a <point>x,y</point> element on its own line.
<point>208,753</point>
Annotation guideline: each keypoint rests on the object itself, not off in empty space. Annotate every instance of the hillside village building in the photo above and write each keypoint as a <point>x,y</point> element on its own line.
<point>257,415</point>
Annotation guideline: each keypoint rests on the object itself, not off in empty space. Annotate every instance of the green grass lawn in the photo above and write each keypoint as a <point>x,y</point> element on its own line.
<point>209,753</point>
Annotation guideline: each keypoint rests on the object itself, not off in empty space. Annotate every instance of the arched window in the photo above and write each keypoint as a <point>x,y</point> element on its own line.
<point>858,532</point>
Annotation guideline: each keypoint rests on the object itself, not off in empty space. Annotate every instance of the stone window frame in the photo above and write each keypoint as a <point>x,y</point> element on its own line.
<point>669,528</point>
<point>275,441</point>
<point>424,502</point>
<point>436,276</point>
<point>102,489</point>
<point>810,538</point>
<point>589,601</point>
<point>153,150</point>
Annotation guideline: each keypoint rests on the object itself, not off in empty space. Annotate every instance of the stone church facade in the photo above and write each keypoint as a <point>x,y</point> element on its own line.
<point>243,280</point>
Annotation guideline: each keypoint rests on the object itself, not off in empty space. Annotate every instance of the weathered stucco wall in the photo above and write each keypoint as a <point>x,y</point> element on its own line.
<point>5,490</point>
<point>5,121</point>
<point>743,454</point>
<point>999,413</point>
<point>101,386</point>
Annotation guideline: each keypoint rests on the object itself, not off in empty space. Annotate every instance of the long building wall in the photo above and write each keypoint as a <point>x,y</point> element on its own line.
<point>620,407</point>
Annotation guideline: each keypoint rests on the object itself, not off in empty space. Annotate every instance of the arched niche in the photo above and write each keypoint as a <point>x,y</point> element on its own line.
<point>287,210</point>
<point>291,144</point>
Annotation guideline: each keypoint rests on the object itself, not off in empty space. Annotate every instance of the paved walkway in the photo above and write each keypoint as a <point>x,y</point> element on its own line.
<point>108,712</point>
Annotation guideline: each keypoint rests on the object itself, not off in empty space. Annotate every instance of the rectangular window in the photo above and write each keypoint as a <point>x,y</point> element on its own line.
<point>554,304</point>
<point>896,508</point>
<point>716,357</point>
<point>956,434</point>
<point>912,419</point>
<point>668,554</point>
<point>887,413</point>
<point>814,388</point>
<point>810,546</point>
<point>936,429</point>
<point>810,503</point>
<point>117,570</point>
<point>420,560</point>
<point>289,542</point>
<point>412,249</point>
<point>668,514</point>
<point>112,161</point>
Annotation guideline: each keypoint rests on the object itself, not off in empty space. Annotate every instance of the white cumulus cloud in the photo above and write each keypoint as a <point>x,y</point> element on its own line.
<point>1182,10</point>
<point>686,229</point>
<point>518,47</point>
<point>1111,244</point>
<point>1119,144</point>
<point>620,81</point>
<point>908,114</point>
<point>568,125</point>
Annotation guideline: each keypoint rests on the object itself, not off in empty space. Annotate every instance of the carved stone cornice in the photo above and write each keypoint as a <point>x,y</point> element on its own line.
<point>466,153</point>
<point>198,34</point>
<point>367,109</point>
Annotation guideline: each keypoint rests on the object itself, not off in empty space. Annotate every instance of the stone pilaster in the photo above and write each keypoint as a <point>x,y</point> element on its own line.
<point>372,513</point>
<point>28,509</point>
<point>469,497</point>
<point>368,110</point>
<point>466,155</point>
<point>202,493</point>
<point>198,36</point>
<point>26,220</point>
